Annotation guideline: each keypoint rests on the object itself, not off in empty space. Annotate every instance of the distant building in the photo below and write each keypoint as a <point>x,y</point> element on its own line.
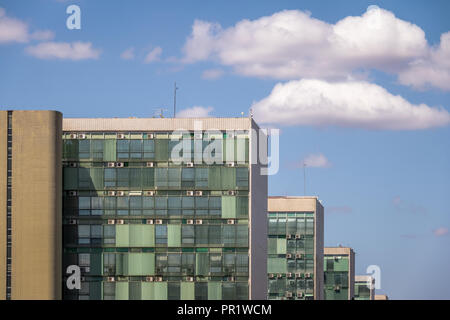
<point>364,288</point>
<point>381,297</point>
<point>295,248</point>
<point>339,273</point>
<point>30,205</point>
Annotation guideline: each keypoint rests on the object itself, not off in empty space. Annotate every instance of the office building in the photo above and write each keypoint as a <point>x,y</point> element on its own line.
<point>295,248</point>
<point>339,273</point>
<point>381,297</point>
<point>30,205</point>
<point>143,226</point>
<point>364,288</point>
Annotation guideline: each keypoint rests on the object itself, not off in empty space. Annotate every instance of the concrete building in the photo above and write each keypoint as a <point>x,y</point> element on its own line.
<point>295,248</point>
<point>339,273</point>
<point>143,226</point>
<point>381,297</point>
<point>30,205</point>
<point>364,288</point>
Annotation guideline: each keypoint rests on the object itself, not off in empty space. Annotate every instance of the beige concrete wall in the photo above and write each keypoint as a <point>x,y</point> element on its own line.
<point>258,228</point>
<point>36,200</point>
<point>381,297</point>
<point>3,176</point>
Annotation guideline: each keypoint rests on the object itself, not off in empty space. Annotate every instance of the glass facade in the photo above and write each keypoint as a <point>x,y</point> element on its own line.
<point>290,264</point>
<point>362,290</point>
<point>336,269</point>
<point>142,227</point>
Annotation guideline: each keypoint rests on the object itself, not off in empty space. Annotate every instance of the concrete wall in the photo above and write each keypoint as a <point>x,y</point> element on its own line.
<point>3,175</point>
<point>36,204</point>
<point>258,227</point>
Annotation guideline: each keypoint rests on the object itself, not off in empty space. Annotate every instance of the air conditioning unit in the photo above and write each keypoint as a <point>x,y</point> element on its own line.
<point>199,221</point>
<point>158,221</point>
<point>82,279</point>
<point>298,236</point>
<point>149,279</point>
<point>289,256</point>
<point>231,192</point>
<point>300,294</point>
<point>149,193</point>
<point>189,193</point>
<point>231,164</point>
<point>158,279</point>
<point>298,275</point>
<point>271,275</point>
<point>81,136</point>
<point>111,279</point>
<point>230,279</point>
<point>73,193</point>
<point>111,221</point>
<point>149,221</point>
<point>198,193</point>
<point>111,193</point>
<point>299,256</point>
<point>198,136</point>
<point>231,221</point>
<point>120,164</point>
<point>337,288</point>
<point>288,236</point>
<point>72,221</point>
<point>279,276</point>
<point>190,221</point>
<point>73,165</point>
<point>87,269</point>
<point>190,279</point>
<point>111,164</point>
<point>120,136</point>
<point>120,221</point>
<point>120,193</point>
<point>73,136</point>
<point>150,164</point>
<point>290,275</point>
<point>288,294</point>
<point>150,136</point>
<point>190,164</point>
<point>308,275</point>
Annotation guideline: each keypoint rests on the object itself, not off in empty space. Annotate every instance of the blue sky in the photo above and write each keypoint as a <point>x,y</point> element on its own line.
<point>380,164</point>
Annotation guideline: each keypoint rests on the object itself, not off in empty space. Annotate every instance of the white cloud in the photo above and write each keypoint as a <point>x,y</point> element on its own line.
<point>128,54</point>
<point>317,160</point>
<point>291,44</point>
<point>14,30</point>
<point>439,232</point>
<point>347,104</point>
<point>63,50</point>
<point>153,55</point>
<point>434,70</point>
<point>195,112</point>
<point>212,74</point>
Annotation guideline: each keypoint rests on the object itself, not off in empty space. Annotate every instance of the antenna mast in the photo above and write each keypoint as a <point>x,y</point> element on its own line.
<point>175,88</point>
<point>304,178</point>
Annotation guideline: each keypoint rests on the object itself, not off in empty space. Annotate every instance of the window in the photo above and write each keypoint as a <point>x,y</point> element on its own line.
<point>161,234</point>
<point>201,177</point>
<point>242,177</point>
<point>187,177</point>
<point>187,234</point>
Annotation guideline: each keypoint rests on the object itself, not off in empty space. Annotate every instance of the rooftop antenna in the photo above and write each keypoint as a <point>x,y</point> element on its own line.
<point>304,177</point>
<point>175,88</point>
<point>158,112</point>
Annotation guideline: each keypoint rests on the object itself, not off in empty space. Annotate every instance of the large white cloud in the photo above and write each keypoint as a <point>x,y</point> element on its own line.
<point>15,30</point>
<point>291,44</point>
<point>347,104</point>
<point>64,50</point>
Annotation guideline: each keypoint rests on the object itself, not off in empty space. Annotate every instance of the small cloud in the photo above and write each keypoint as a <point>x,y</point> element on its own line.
<point>339,210</point>
<point>128,54</point>
<point>212,74</point>
<point>440,232</point>
<point>63,50</point>
<point>153,55</point>
<point>316,161</point>
<point>195,112</point>
<point>406,207</point>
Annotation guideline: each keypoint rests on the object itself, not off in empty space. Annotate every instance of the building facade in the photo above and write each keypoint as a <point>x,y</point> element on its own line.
<point>339,273</point>
<point>295,248</point>
<point>144,226</point>
<point>364,288</point>
<point>30,205</point>
<point>381,297</point>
